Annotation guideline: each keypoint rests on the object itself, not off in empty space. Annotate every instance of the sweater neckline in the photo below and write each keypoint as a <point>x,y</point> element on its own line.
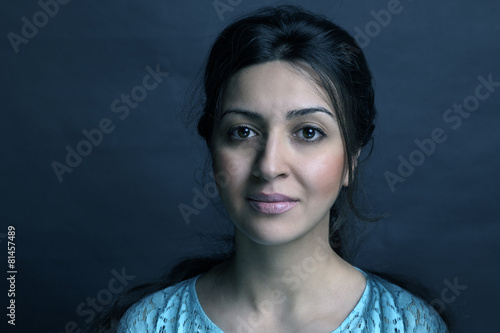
<point>358,310</point>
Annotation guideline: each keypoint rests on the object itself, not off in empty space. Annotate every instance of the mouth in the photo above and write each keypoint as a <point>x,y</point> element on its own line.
<point>271,204</point>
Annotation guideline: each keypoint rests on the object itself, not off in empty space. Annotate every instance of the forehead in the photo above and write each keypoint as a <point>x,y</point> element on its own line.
<point>273,87</point>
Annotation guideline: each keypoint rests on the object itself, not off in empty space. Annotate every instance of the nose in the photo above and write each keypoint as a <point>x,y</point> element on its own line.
<point>272,160</point>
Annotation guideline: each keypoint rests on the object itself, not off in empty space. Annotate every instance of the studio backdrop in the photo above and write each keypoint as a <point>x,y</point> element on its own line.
<point>100,172</point>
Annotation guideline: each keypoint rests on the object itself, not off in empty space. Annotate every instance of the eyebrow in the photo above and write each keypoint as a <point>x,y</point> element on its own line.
<point>302,112</point>
<point>289,115</point>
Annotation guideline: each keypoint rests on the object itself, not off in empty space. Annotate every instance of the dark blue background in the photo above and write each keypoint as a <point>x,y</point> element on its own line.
<point>118,209</point>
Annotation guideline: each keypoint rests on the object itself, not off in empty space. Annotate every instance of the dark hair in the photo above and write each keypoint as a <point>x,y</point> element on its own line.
<point>315,45</point>
<point>330,56</point>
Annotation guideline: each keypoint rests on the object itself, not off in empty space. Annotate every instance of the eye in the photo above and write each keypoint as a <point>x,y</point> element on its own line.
<point>310,134</point>
<point>241,133</point>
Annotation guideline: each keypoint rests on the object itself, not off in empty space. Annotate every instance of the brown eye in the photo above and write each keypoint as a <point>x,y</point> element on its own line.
<point>243,132</point>
<point>308,133</point>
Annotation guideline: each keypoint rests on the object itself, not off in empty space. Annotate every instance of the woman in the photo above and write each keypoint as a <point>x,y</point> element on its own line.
<point>289,107</point>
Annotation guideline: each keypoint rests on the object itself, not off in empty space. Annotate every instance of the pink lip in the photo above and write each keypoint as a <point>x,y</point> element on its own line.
<point>271,204</point>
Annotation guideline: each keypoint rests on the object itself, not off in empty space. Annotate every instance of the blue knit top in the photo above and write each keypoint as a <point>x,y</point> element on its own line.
<point>383,307</point>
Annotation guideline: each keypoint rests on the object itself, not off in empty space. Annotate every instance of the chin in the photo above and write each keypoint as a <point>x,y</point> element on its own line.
<point>273,230</point>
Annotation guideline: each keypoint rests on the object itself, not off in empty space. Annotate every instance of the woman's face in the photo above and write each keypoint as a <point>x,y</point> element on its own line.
<point>279,150</point>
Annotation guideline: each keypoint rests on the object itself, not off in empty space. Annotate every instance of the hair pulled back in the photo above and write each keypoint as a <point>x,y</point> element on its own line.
<point>332,58</point>
<point>317,46</point>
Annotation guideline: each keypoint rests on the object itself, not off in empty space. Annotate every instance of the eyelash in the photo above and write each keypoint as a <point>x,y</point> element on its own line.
<point>322,135</point>
<point>232,130</point>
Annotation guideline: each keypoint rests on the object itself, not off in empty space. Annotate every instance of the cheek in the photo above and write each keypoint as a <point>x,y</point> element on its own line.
<point>325,175</point>
<point>232,167</point>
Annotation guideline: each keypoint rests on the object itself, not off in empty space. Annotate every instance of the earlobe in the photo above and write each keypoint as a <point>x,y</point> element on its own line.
<point>353,168</point>
<point>346,179</point>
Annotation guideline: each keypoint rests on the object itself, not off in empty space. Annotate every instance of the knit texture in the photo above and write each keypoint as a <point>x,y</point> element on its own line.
<point>383,307</point>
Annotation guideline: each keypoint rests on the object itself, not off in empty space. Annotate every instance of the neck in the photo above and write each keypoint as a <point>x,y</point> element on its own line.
<point>293,270</point>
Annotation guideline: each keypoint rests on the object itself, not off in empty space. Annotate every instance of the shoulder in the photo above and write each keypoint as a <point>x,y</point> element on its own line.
<point>153,311</point>
<point>393,305</point>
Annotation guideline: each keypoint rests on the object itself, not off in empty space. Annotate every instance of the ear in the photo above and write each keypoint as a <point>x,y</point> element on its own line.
<point>353,167</point>
<point>346,179</point>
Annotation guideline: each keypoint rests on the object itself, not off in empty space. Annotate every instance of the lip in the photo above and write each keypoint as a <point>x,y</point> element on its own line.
<point>271,204</point>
